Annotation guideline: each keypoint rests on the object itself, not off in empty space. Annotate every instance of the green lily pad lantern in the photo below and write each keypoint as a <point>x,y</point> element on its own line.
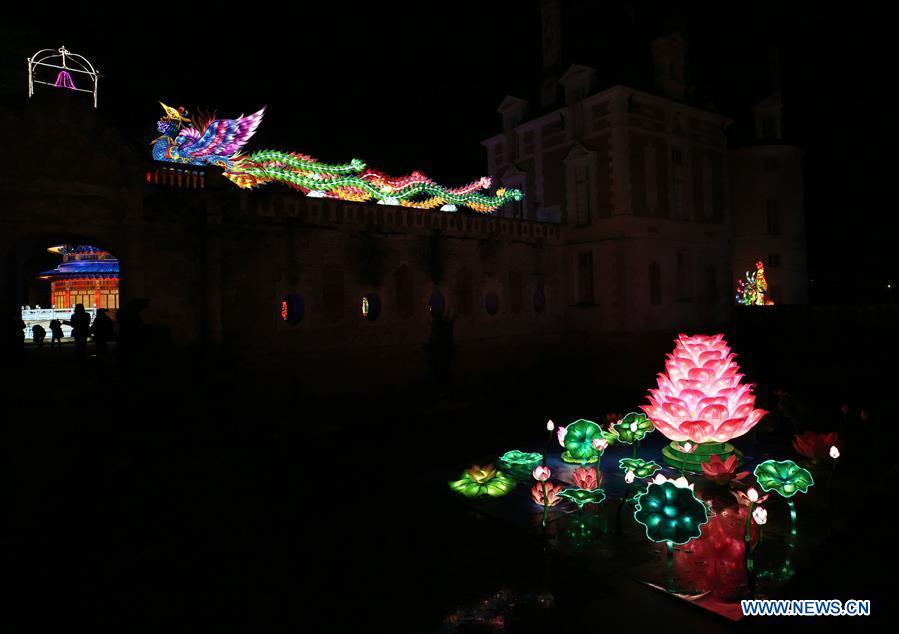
<point>479,481</point>
<point>583,496</point>
<point>578,442</point>
<point>670,512</point>
<point>520,463</point>
<point>785,477</point>
<point>633,428</point>
<point>640,467</point>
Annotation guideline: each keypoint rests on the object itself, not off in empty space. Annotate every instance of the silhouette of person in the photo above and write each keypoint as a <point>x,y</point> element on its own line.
<point>55,332</point>
<point>18,329</point>
<point>37,334</point>
<point>131,331</point>
<point>80,322</point>
<point>101,329</point>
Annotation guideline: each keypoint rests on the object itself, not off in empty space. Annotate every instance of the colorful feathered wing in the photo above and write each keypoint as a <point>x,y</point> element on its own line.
<point>221,137</point>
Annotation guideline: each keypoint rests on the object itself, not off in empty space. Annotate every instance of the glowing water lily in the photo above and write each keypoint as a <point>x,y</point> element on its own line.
<point>629,477</point>
<point>560,435</point>
<point>834,452</point>
<point>786,477</point>
<point>600,444</point>
<point>745,500</point>
<point>680,483</point>
<point>723,471</point>
<point>520,461</point>
<point>483,481</point>
<point>760,515</point>
<point>633,427</point>
<point>579,442</point>
<point>670,512</point>
<point>584,496</point>
<point>541,473</point>
<point>552,493</point>
<point>639,467</point>
<point>815,447</point>
<point>585,478</point>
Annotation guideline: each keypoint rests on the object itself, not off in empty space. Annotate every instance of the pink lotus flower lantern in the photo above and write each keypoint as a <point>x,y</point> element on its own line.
<point>701,399</point>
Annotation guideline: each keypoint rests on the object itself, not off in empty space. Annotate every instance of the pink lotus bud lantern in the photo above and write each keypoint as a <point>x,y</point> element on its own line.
<point>701,400</point>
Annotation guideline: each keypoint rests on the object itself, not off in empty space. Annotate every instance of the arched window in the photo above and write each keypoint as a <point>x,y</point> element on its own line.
<point>293,309</point>
<point>437,305</point>
<point>491,303</point>
<point>655,284</point>
<point>404,292</point>
<point>332,292</point>
<point>711,285</point>
<point>539,301</point>
<point>371,306</point>
<point>515,300</point>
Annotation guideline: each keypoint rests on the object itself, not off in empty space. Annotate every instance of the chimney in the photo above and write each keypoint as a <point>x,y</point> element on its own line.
<point>551,37</point>
<point>669,56</point>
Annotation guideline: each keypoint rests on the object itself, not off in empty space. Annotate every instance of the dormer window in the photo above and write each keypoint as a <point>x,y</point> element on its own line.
<point>578,82</point>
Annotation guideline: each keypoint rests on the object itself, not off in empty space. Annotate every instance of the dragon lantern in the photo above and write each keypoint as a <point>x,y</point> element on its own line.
<point>218,142</point>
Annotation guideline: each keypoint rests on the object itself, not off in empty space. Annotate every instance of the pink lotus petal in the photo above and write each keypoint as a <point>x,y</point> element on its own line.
<point>697,430</point>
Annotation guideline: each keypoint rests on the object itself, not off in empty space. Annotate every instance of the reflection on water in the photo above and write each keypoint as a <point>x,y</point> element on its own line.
<point>498,611</point>
<point>710,571</point>
<point>584,530</point>
<point>714,565</point>
<point>715,562</point>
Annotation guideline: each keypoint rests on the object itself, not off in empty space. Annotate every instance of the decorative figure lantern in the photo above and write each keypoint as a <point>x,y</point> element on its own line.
<point>753,291</point>
<point>701,399</point>
<point>62,69</point>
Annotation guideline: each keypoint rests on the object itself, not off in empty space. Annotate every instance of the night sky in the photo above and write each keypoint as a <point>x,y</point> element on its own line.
<point>418,89</point>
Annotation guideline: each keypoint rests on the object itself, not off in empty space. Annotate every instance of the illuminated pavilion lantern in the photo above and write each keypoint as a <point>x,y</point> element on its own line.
<point>87,275</point>
<point>701,400</point>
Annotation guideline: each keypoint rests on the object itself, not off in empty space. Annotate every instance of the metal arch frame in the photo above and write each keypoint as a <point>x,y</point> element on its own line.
<point>84,67</point>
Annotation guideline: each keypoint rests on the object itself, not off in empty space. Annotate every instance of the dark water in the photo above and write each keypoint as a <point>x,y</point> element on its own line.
<point>179,504</point>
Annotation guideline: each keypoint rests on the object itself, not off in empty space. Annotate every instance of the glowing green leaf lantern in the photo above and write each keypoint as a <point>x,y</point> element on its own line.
<point>579,442</point>
<point>520,462</point>
<point>670,512</point>
<point>583,496</point>
<point>785,477</point>
<point>633,428</point>
<point>640,467</point>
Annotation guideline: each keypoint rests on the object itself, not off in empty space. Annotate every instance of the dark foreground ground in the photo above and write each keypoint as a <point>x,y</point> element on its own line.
<point>172,500</point>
